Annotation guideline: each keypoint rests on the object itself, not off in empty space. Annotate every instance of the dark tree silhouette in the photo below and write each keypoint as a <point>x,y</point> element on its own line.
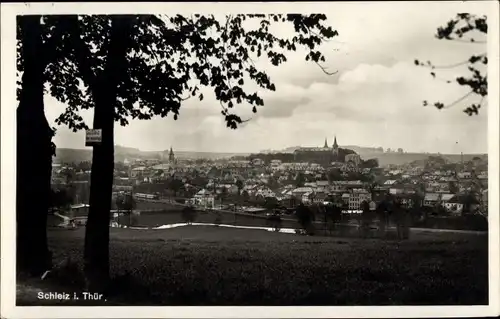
<point>239,184</point>
<point>334,174</point>
<point>270,203</point>
<point>34,149</point>
<point>175,185</point>
<point>127,204</point>
<point>333,215</point>
<point>366,218</point>
<point>275,222</point>
<point>305,217</point>
<point>466,28</point>
<point>189,214</point>
<point>223,194</point>
<point>59,199</point>
<point>300,179</point>
<point>370,163</point>
<point>273,183</point>
<point>144,66</point>
<point>453,187</point>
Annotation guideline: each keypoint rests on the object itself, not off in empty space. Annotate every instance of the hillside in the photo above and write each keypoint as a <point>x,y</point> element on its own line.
<point>403,158</point>
<point>121,153</point>
<point>69,155</point>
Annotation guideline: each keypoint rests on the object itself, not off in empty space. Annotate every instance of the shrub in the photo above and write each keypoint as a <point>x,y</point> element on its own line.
<point>188,214</point>
<point>218,220</point>
<point>310,230</point>
<point>134,218</point>
<point>305,217</point>
<point>275,222</point>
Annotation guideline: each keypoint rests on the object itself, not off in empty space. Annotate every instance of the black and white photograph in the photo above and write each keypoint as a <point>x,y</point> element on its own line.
<point>299,155</point>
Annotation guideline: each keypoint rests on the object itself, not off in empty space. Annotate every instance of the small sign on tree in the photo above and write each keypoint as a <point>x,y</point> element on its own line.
<point>93,137</point>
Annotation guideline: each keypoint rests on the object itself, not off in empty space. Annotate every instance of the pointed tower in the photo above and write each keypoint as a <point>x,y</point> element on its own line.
<point>171,156</point>
<point>326,143</point>
<point>335,147</point>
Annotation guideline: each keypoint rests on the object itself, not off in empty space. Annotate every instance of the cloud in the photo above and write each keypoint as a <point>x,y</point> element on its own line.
<point>375,99</point>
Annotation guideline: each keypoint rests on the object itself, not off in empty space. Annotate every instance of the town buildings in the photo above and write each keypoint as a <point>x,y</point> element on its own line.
<point>311,175</point>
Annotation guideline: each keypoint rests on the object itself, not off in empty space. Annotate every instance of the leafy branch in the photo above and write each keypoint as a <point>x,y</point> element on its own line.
<point>171,58</point>
<point>456,29</point>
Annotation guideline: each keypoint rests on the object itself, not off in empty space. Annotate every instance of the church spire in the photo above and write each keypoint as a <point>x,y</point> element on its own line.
<point>171,156</point>
<point>335,147</point>
<point>326,143</point>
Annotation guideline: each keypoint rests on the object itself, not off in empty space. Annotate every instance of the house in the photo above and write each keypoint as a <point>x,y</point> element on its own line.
<point>396,190</point>
<point>442,187</point>
<point>229,189</point>
<point>298,192</point>
<point>354,158</point>
<point>122,188</point>
<point>445,202</point>
<point>390,182</point>
<point>204,198</point>
<point>284,194</point>
<point>79,210</point>
<point>140,171</point>
<point>319,197</point>
<point>406,200</point>
<point>250,188</point>
<point>345,198</point>
<point>353,184</point>
<point>337,187</point>
<point>307,198</point>
<point>483,175</point>
<point>464,175</point>
<point>265,192</point>
<point>372,205</point>
<point>431,199</point>
<point>458,203</point>
<point>357,196</point>
<point>275,165</point>
<point>322,185</point>
<point>257,162</point>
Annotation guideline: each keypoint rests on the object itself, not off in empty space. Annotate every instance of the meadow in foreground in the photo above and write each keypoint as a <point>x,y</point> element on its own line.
<point>203,265</point>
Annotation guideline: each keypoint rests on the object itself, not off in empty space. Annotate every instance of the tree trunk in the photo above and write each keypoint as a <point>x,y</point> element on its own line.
<point>34,156</point>
<point>96,253</point>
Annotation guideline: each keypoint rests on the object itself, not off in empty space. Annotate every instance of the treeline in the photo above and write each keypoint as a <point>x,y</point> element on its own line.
<point>307,156</point>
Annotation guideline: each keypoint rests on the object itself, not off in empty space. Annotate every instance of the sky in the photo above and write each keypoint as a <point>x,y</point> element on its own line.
<point>374,100</point>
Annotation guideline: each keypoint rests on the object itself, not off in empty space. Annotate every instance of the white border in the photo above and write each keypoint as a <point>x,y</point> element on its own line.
<point>8,66</point>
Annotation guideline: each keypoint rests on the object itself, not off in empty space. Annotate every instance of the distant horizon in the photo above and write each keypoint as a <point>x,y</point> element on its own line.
<point>271,150</point>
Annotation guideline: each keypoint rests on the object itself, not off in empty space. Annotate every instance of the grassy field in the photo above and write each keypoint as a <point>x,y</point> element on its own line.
<point>153,219</point>
<point>203,265</point>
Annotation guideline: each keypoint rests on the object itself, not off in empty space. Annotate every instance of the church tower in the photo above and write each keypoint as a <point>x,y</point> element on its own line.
<point>326,143</point>
<point>335,147</point>
<point>171,156</point>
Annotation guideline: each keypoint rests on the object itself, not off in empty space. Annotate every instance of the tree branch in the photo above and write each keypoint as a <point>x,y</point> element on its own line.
<point>459,100</point>
<point>325,71</point>
<point>450,66</point>
<point>470,41</point>
<point>82,53</point>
